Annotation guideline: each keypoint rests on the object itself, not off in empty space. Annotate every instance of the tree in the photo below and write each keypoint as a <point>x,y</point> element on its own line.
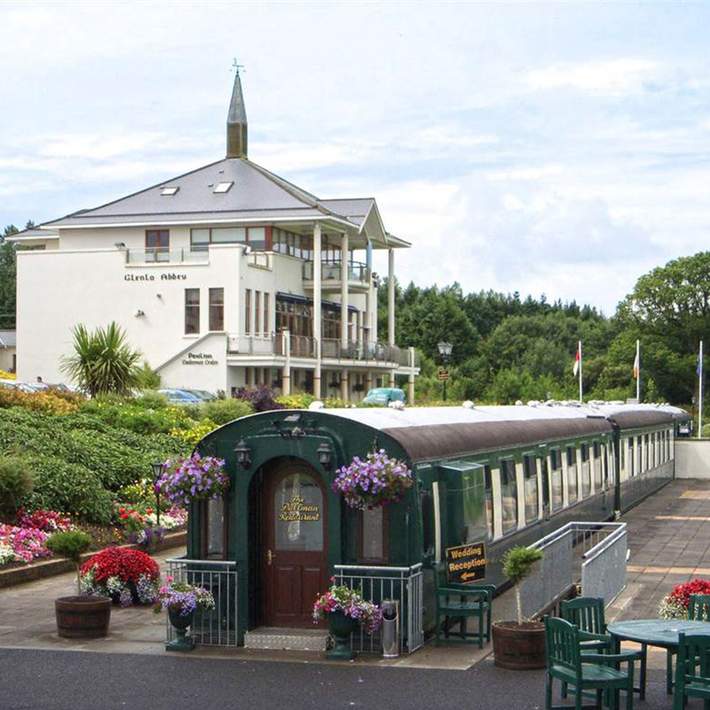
<point>102,361</point>
<point>8,278</point>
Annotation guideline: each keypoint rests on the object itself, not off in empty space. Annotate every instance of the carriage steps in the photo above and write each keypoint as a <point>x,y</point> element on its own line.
<point>274,638</point>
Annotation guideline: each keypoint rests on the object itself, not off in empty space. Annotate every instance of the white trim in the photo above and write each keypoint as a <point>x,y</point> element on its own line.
<point>437,520</point>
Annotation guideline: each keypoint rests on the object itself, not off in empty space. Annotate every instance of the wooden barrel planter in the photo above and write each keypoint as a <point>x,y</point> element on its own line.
<point>519,647</point>
<point>82,617</point>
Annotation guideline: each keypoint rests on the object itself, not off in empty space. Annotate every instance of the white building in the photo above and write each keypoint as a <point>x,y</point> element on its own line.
<point>223,277</point>
<point>8,355</point>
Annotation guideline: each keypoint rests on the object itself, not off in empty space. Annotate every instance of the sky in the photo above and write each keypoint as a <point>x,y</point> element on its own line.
<point>546,148</point>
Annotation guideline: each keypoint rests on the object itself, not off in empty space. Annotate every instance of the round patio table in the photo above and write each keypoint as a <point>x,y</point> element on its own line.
<point>657,632</point>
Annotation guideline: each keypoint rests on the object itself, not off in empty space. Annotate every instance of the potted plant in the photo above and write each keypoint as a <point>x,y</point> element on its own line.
<point>374,481</point>
<point>520,644</point>
<point>79,616</point>
<point>193,478</point>
<point>345,610</point>
<point>181,601</point>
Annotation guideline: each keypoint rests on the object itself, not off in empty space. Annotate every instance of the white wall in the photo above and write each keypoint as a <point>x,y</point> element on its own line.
<point>57,290</point>
<point>692,458</point>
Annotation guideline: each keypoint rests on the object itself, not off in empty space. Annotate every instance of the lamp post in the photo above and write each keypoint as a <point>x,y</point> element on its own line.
<point>445,352</point>
<point>158,468</point>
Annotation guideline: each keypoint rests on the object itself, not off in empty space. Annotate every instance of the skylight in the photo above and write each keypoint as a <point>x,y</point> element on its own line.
<point>169,191</point>
<point>223,186</point>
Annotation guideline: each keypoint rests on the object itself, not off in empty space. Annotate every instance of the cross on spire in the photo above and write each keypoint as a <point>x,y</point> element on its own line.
<point>236,65</point>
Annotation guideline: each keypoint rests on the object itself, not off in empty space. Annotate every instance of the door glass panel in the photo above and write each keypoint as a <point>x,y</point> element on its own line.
<point>298,504</point>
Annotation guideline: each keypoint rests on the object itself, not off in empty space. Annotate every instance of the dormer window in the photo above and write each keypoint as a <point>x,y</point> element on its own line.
<point>169,191</point>
<point>223,186</point>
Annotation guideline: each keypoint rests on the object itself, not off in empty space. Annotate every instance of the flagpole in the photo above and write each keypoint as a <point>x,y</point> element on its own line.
<point>580,371</point>
<point>700,392</point>
<point>638,373</point>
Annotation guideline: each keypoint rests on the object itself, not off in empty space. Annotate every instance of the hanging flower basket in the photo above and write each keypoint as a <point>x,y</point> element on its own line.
<point>374,481</point>
<point>193,478</point>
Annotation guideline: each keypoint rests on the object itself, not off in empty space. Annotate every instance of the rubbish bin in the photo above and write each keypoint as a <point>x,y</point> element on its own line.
<point>390,628</point>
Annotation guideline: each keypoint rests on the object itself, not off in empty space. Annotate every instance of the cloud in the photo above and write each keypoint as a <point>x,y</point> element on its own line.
<point>613,76</point>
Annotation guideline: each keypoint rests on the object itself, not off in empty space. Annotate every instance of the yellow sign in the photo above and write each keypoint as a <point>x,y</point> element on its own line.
<point>466,563</point>
<point>443,374</point>
<point>298,510</point>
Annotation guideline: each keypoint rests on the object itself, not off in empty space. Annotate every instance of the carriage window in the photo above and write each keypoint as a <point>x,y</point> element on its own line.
<point>598,474</point>
<point>639,450</point>
<point>532,504</point>
<point>556,479</point>
<point>215,528</point>
<point>508,495</point>
<point>472,497</point>
<point>427,522</point>
<point>586,471</point>
<point>373,524</point>
<point>489,502</point>
<point>572,474</point>
<point>631,459</point>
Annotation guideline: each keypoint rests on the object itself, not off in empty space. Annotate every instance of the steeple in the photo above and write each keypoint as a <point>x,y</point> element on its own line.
<point>237,120</point>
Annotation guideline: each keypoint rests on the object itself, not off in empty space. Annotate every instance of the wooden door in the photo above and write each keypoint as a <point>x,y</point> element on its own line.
<point>295,568</point>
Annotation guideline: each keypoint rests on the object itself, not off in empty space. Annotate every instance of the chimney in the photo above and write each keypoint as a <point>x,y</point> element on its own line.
<point>237,122</point>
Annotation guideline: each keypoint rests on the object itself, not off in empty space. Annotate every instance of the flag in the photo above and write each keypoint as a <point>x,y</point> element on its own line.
<point>577,360</point>
<point>637,365</point>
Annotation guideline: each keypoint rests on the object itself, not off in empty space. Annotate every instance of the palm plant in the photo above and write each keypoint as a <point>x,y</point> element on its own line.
<point>102,361</point>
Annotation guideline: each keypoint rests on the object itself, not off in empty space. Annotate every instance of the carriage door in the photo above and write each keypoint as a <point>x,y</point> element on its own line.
<point>294,562</point>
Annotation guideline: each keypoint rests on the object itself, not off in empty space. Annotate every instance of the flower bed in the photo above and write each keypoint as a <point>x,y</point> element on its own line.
<point>675,604</point>
<point>127,576</point>
<point>374,481</point>
<point>22,544</point>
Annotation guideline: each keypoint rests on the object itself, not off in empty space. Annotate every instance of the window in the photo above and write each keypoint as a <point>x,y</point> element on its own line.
<point>556,479</point>
<point>572,474</point>
<point>192,311</point>
<point>228,235</point>
<point>639,452</point>
<point>157,245</point>
<point>373,525</point>
<point>257,238</point>
<point>247,311</point>
<point>266,328</point>
<point>598,473</point>
<point>508,495</point>
<point>532,504</point>
<point>631,459</point>
<point>216,308</point>
<point>199,239</point>
<point>169,191</point>
<point>216,522</point>
<point>586,471</point>
<point>489,502</point>
<point>427,504</point>
<point>257,312</point>
<point>222,187</point>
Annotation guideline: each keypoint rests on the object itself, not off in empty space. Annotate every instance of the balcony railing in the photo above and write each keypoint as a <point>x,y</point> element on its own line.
<point>332,270</point>
<point>163,255</point>
<point>331,348</point>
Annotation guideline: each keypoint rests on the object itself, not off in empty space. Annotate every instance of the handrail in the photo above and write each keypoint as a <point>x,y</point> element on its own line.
<point>213,563</point>
<point>413,568</point>
<point>608,541</point>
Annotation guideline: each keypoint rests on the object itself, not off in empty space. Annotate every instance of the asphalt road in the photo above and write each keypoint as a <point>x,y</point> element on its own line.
<point>72,680</point>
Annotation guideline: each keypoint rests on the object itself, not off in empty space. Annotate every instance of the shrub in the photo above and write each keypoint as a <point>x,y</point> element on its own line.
<point>300,400</point>
<point>150,399</point>
<point>223,411</point>
<point>191,437</point>
<point>49,402</point>
<point>148,378</point>
<point>16,482</point>
<point>70,544</point>
<point>261,398</point>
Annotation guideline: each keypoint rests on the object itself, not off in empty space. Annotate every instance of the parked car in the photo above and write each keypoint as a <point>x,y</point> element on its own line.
<point>202,395</point>
<point>175,396</point>
<point>382,396</point>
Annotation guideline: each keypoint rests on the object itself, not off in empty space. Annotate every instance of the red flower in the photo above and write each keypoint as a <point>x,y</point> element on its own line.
<point>127,565</point>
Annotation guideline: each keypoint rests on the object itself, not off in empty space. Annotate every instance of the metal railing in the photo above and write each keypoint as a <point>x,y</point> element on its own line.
<point>332,270</point>
<point>217,627</point>
<point>594,553</point>
<point>164,255</point>
<point>405,585</point>
<point>253,344</point>
<point>261,260</point>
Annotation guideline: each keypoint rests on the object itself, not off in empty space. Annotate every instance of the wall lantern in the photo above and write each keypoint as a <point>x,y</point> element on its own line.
<point>243,453</point>
<point>325,454</point>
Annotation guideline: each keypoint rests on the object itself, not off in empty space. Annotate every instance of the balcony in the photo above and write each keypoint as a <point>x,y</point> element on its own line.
<point>164,255</point>
<point>303,346</point>
<point>358,275</point>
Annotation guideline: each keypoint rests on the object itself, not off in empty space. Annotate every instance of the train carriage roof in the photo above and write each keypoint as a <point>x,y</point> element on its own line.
<point>428,433</point>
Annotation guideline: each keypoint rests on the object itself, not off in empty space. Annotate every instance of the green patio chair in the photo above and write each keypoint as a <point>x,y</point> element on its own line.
<point>588,615</point>
<point>699,607</point>
<point>457,603</point>
<point>583,671</point>
<point>692,670</point>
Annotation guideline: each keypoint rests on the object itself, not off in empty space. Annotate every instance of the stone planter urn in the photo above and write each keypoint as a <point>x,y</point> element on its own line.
<point>341,627</point>
<point>82,617</point>
<point>180,623</point>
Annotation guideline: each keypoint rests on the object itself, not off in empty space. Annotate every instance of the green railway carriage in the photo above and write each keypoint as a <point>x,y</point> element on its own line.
<point>502,475</point>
